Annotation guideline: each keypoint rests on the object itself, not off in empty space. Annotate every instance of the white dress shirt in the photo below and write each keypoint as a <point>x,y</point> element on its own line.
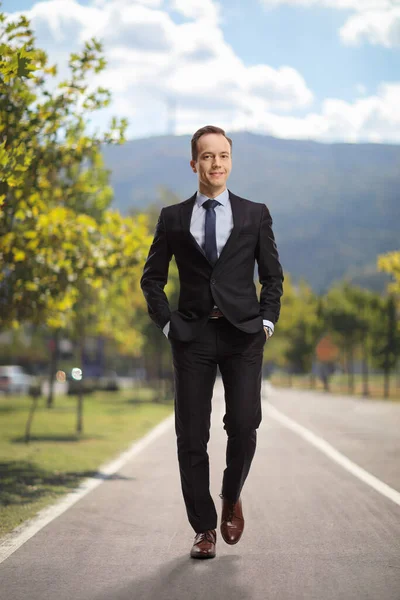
<point>223,228</point>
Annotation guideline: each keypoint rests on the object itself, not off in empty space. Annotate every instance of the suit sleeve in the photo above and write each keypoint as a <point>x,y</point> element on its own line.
<point>270,271</point>
<point>155,276</point>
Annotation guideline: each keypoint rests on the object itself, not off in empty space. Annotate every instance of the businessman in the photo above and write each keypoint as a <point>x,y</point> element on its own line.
<point>216,238</point>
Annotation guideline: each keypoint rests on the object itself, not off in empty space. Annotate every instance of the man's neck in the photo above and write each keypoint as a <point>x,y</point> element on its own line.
<point>211,193</point>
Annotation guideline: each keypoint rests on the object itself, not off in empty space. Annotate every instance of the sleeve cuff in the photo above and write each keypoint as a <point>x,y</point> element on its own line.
<point>269,324</point>
<point>166,328</point>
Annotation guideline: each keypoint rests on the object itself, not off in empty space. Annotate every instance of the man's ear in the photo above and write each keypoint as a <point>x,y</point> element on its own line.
<point>193,165</point>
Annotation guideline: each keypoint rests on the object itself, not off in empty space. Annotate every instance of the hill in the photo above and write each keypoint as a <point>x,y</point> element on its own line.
<point>334,206</point>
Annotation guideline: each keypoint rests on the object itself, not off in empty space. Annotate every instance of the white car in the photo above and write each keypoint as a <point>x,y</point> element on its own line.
<point>14,380</point>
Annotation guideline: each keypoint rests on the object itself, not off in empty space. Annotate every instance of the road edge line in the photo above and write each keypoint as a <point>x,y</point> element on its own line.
<point>330,451</point>
<point>24,532</point>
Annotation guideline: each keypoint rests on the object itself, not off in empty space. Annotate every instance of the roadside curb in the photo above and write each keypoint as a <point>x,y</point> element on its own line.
<point>21,534</point>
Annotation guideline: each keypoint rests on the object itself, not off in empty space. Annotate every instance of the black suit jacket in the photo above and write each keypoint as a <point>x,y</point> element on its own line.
<point>229,284</point>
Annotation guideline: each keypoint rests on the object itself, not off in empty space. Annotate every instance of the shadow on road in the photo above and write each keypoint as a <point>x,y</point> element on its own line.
<point>184,579</point>
<point>22,482</point>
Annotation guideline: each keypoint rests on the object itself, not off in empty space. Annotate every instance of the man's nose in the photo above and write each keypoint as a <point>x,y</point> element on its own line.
<point>216,162</point>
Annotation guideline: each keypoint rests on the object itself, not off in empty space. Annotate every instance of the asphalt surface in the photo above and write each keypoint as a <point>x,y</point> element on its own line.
<point>314,531</point>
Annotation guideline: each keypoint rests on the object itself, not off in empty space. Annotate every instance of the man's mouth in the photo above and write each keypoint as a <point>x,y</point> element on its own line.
<point>219,173</point>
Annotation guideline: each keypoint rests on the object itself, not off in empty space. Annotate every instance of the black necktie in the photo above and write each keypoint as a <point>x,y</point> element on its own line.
<point>210,238</point>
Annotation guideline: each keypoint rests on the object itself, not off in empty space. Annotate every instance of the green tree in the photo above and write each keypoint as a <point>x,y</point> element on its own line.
<point>156,351</point>
<point>51,171</point>
<point>298,329</point>
<point>304,332</point>
<point>69,261</point>
<point>390,263</point>
<point>386,340</point>
<point>366,304</point>
<point>348,326</point>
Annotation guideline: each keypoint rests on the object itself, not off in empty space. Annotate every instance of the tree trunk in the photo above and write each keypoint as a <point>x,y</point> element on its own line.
<point>53,367</point>
<point>350,370</point>
<point>290,379</point>
<point>386,391</point>
<point>365,370</point>
<point>35,399</point>
<point>160,383</point>
<point>398,375</point>
<point>79,414</point>
<point>312,381</point>
<point>325,376</point>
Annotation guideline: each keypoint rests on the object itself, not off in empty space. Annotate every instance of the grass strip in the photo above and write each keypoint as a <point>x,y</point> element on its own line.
<point>338,384</point>
<point>34,475</point>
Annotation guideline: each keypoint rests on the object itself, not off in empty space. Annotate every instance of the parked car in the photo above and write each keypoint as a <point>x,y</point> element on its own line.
<point>15,380</point>
<point>109,382</point>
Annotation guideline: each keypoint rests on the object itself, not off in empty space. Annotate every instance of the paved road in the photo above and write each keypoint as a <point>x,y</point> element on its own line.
<point>314,530</point>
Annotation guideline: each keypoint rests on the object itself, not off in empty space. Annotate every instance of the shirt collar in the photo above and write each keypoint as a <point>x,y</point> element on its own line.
<point>222,198</point>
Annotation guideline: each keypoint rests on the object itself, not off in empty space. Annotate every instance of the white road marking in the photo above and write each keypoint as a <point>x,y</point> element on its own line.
<point>22,534</point>
<point>334,454</point>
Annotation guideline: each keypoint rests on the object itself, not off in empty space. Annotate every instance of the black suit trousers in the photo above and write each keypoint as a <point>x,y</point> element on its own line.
<point>239,357</point>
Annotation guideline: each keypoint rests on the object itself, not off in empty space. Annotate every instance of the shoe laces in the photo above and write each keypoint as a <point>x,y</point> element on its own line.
<point>231,511</point>
<point>208,535</point>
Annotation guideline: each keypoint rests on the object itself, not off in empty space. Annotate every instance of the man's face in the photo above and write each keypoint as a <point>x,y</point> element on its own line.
<point>214,161</point>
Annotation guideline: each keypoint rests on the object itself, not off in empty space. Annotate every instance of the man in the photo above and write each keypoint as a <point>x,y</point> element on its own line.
<point>216,238</point>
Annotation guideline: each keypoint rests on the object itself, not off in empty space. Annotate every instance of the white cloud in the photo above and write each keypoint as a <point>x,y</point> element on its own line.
<point>197,9</point>
<point>358,5</point>
<point>372,119</point>
<point>152,58</point>
<point>153,61</point>
<point>374,21</point>
<point>377,27</point>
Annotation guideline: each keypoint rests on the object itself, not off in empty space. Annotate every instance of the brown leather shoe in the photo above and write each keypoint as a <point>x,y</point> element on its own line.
<point>204,544</point>
<point>232,521</point>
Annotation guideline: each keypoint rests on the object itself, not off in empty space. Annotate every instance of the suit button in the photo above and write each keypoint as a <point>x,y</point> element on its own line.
<point>212,281</point>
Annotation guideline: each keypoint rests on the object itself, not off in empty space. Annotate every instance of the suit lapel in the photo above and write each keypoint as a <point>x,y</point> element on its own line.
<point>237,214</point>
<point>186,215</point>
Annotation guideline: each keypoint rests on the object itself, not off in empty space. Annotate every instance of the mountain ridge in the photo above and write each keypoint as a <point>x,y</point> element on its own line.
<point>335,207</point>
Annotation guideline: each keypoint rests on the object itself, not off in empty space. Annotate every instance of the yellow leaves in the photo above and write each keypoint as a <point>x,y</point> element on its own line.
<point>30,235</point>
<point>58,215</point>
<point>60,311</point>
<point>12,180</point>
<point>67,246</point>
<point>51,70</point>
<point>44,183</point>
<point>6,241</point>
<point>390,263</point>
<point>19,255</point>
<point>32,245</point>
<point>96,284</point>
<point>55,248</point>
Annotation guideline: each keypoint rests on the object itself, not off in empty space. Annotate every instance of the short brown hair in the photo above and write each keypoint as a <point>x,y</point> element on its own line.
<point>203,131</point>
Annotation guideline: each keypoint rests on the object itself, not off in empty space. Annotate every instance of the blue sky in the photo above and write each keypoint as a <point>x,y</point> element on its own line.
<point>318,69</point>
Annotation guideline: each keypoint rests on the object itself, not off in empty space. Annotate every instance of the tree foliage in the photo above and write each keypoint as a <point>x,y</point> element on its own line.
<point>390,263</point>
<point>57,235</point>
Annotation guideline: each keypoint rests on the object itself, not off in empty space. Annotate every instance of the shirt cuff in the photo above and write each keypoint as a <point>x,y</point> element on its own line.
<point>166,328</point>
<point>269,324</point>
